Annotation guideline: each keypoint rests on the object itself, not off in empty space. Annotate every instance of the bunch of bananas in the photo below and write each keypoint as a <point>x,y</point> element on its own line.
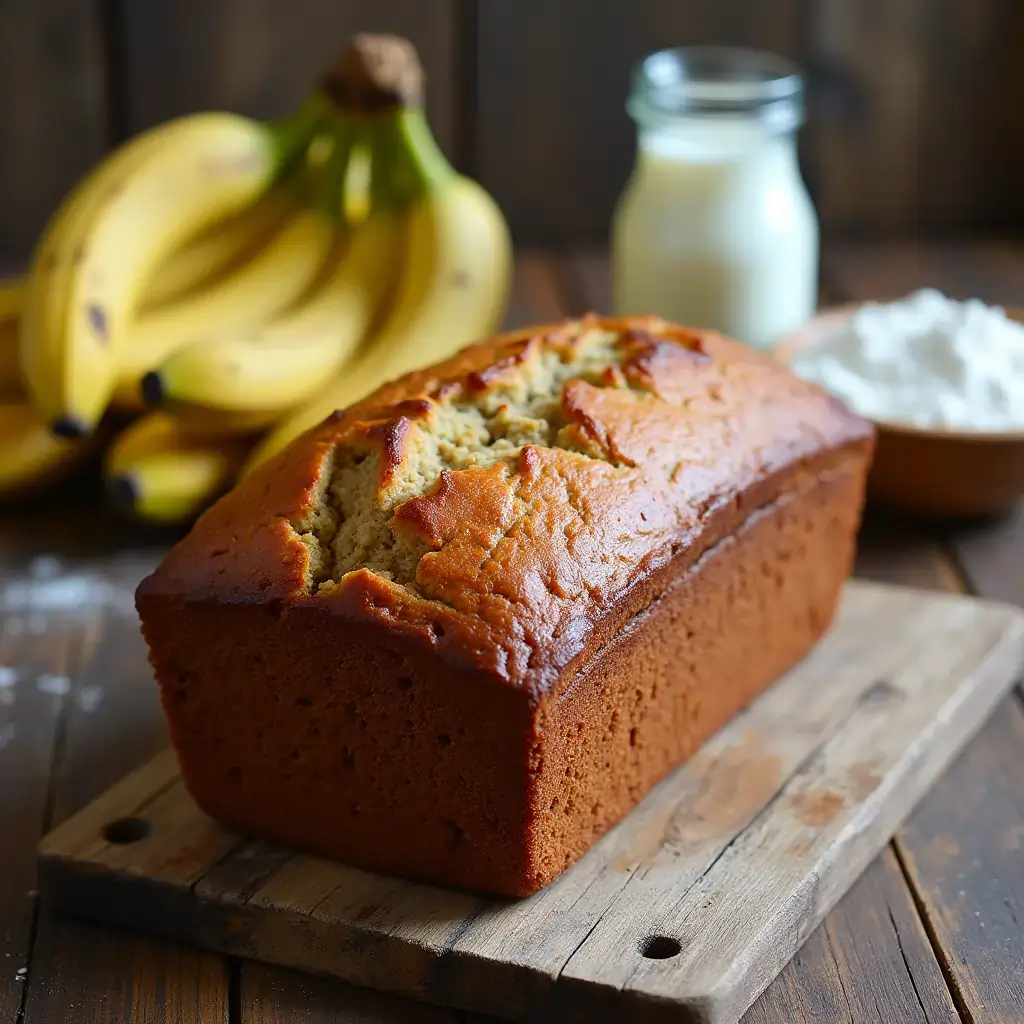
<point>218,285</point>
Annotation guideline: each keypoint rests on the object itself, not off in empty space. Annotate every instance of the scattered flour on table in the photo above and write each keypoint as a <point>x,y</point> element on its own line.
<point>88,698</point>
<point>48,586</point>
<point>927,361</point>
<point>54,685</point>
<point>76,592</point>
<point>8,676</point>
<point>45,567</point>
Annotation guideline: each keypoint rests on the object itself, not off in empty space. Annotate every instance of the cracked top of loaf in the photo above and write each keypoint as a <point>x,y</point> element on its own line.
<point>512,508</point>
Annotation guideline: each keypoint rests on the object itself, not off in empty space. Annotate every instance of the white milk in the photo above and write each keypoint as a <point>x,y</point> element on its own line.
<point>715,227</point>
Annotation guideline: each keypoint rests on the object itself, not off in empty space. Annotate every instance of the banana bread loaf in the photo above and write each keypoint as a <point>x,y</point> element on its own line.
<point>458,630</point>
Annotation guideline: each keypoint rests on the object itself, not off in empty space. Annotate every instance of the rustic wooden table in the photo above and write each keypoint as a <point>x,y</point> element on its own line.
<point>933,930</point>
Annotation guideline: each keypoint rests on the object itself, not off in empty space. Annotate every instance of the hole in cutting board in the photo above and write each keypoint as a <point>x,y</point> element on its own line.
<point>881,694</point>
<point>126,830</point>
<point>659,947</point>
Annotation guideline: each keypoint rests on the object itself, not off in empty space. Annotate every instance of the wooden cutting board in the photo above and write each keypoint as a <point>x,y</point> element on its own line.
<point>687,910</point>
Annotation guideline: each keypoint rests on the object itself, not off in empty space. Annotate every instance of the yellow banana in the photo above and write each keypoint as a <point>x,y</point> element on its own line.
<point>280,364</point>
<point>265,284</point>
<point>218,249</point>
<point>30,456</point>
<point>161,471</point>
<point>199,261</point>
<point>271,281</point>
<point>103,244</point>
<point>454,282</point>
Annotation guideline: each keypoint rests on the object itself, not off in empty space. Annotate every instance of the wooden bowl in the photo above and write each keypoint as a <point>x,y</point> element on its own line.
<point>930,471</point>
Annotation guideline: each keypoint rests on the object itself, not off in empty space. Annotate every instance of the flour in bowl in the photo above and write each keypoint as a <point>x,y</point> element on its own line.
<point>927,361</point>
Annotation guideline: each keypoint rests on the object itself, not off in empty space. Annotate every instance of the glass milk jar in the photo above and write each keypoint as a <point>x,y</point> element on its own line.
<point>715,227</point>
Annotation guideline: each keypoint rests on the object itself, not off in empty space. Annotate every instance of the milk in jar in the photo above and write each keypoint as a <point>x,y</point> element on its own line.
<point>715,227</point>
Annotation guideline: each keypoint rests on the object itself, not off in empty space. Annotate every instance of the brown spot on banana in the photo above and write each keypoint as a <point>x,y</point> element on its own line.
<point>97,317</point>
<point>461,279</point>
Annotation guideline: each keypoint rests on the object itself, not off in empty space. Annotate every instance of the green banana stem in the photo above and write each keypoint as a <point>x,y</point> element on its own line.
<point>293,135</point>
<point>330,193</point>
<point>406,162</point>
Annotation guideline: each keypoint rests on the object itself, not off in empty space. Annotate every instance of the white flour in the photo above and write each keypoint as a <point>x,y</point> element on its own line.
<point>927,361</point>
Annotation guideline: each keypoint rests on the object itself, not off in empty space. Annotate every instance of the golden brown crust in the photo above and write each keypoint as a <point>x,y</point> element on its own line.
<point>535,558</point>
<point>474,618</point>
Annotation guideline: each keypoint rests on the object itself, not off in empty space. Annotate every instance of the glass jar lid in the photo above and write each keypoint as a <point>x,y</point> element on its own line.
<point>713,81</point>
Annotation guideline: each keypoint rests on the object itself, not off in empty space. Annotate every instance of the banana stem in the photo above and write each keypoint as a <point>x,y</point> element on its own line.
<point>293,135</point>
<point>406,162</point>
<point>330,195</point>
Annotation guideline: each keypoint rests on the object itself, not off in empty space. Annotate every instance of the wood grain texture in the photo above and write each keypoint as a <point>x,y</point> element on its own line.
<point>270,995</point>
<point>883,969</point>
<point>871,66</point>
<point>109,720</point>
<point>727,915</point>
<point>589,273</point>
<point>991,556</point>
<point>96,975</point>
<point>747,846</point>
<point>33,650</point>
<point>261,56</point>
<point>991,271</point>
<point>539,291</point>
<point>892,549</point>
<point>972,142</point>
<point>554,144</point>
<point>963,851</point>
<point>53,109</point>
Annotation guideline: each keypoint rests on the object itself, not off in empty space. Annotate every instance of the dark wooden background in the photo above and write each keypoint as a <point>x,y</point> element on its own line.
<point>917,105</point>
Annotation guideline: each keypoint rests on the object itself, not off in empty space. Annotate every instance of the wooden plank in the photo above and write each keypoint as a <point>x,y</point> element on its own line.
<point>590,276</point>
<point>111,721</point>
<point>892,549</point>
<point>802,789</point>
<point>975,77</point>
<point>871,61</point>
<point>965,876</point>
<point>884,970</point>
<point>270,995</point>
<point>53,110</point>
<point>554,144</point>
<point>893,85</point>
<point>95,975</point>
<point>34,662</point>
<point>963,851</point>
<point>991,271</point>
<point>991,556</point>
<point>539,291</point>
<point>737,929</point>
<point>262,57</point>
